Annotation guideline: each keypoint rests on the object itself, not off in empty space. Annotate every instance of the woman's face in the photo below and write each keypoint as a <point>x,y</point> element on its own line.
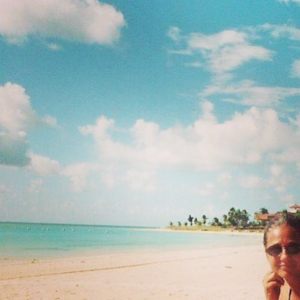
<point>282,244</point>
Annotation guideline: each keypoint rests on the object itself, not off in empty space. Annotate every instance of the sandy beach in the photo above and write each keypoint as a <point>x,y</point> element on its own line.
<point>228,273</point>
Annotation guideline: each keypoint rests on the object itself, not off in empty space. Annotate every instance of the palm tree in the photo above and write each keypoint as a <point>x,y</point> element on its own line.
<point>238,217</point>
<point>215,222</point>
<point>198,223</point>
<point>190,219</point>
<point>231,211</point>
<point>204,218</point>
<point>171,224</point>
<point>231,216</point>
<point>225,219</point>
<point>179,224</point>
<point>263,211</point>
<point>244,218</point>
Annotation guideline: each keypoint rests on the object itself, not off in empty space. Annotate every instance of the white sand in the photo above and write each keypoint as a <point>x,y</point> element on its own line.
<point>231,273</point>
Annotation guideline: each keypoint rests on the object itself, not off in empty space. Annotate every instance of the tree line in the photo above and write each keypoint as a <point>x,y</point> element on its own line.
<point>234,218</point>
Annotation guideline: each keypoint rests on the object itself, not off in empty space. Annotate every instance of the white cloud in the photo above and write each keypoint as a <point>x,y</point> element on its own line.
<point>16,113</point>
<point>141,180</point>
<point>43,165</point>
<point>246,138</point>
<point>195,64</point>
<point>16,117</point>
<point>78,173</point>
<point>224,178</point>
<point>282,31</point>
<point>276,170</point>
<point>207,190</point>
<point>85,21</point>
<point>253,182</point>
<point>108,179</point>
<point>35,185</point>
<point>251,94</point>
<point>287,1</point>
<point>296,69</point>
<point>278,180</point>
<point>221,52</point>
<point>54,47</point>
<point>174,33</point>
<point>101,134</point>
<point>281,182</point>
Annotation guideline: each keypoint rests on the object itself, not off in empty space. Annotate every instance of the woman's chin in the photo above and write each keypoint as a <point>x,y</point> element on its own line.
<point>283,272</point>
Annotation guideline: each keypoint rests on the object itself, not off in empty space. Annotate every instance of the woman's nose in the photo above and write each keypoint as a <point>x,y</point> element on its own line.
<point>284,254</point>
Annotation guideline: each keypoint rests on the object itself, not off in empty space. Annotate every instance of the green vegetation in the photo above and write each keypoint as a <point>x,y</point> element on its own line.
<point>234,220</point>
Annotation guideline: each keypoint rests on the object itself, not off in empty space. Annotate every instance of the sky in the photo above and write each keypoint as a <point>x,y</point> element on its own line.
<point>144,112</point>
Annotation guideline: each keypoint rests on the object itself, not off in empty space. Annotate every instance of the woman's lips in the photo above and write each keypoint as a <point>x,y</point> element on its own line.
<point>284,266</point>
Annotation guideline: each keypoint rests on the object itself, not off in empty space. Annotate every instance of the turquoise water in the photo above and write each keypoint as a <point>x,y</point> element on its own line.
<point>26,240</point>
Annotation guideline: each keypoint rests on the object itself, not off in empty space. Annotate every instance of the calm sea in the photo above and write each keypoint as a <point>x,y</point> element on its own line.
<point>26,240</point>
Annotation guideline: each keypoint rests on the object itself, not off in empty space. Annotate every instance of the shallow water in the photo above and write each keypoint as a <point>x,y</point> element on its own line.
<point>27,240</point>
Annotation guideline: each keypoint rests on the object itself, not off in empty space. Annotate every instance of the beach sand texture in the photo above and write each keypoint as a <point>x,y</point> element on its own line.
<point>228,273</point>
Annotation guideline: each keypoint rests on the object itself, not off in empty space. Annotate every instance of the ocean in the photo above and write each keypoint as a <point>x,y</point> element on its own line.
<point>28,240</point>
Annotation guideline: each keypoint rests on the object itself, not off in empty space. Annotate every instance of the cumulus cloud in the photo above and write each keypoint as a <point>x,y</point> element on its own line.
<point>279,178</point>
<point>108,179</point>
<point>221,52</point>
<point>78,174</point>
<point>287,1</point>
<point>174,33</point>
<point>16,118</point>
<point>282,31</point>
<point>16,113</point>
<point>224,178</point>
<point>54,47</point>
<point>296,69</point>
<point>85,21</point>
<point>253,182</point>
<point>249,93</point>
<point>141,180</point>
<point>207,190</point>
<point>101,133</point>
<point>43,165</point>
<point>246,138</point>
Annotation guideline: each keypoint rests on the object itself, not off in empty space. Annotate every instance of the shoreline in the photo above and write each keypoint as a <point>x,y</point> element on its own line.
<point>225,232</point>
<point>219,273</point>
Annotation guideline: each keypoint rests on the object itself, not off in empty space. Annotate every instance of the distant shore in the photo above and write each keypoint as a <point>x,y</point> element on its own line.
<point>213,229</point>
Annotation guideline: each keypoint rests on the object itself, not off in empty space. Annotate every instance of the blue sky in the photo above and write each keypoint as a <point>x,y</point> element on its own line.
<point>143,112</point>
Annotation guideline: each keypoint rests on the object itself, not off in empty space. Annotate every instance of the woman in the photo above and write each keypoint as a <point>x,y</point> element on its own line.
<point>282,246</point>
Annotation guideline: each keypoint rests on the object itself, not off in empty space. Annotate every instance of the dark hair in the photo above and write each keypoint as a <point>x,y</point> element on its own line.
<point>289,219</point>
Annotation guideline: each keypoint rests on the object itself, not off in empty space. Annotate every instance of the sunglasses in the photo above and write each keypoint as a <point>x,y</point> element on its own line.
<point>290,249</point>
